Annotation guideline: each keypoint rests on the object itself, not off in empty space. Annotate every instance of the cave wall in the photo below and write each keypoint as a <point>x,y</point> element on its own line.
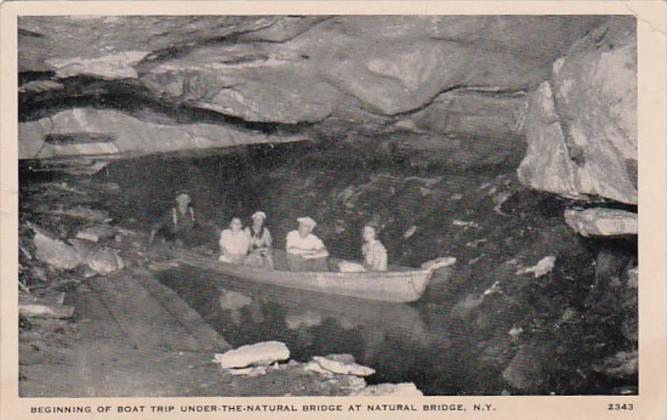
<point>581,126</point>
<point>446,79</point>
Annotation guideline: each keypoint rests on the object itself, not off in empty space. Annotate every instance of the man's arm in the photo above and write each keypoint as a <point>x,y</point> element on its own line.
<point>320,251</point>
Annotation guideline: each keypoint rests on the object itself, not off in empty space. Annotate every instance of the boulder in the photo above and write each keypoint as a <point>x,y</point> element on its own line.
<point>405,389</point>
<point>341,367</point>
<point>582,123</point>
<point>261,354</point>
<point>96,233</point>
<point>602,222</point>
<point>105,261</point>
<point>55,253</point>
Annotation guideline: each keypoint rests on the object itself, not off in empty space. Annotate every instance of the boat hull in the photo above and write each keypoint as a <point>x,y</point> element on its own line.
<point>406,285</point>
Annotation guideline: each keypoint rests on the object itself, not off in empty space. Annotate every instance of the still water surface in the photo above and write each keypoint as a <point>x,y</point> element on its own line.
<point>395,339</point>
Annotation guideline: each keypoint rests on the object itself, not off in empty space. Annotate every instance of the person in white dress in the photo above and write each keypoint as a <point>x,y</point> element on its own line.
<point>234,243</point>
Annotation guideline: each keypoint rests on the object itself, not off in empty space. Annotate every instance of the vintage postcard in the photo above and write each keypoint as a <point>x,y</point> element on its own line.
<point>265,209</point>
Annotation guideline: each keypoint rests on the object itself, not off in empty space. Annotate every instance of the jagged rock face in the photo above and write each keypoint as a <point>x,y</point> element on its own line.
<point>582,123</point>
<point>442,76</point>
<point>89,131</point>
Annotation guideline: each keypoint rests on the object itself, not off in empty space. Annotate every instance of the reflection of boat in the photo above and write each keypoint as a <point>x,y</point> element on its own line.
<point>401,284</point>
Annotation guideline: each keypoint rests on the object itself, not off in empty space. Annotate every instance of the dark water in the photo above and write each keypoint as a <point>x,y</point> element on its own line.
<point>481,216</point>
<point>395,339</point>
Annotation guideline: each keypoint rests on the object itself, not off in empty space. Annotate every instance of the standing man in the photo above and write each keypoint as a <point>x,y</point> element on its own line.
<point>305,251</point>
<point>178,224</point>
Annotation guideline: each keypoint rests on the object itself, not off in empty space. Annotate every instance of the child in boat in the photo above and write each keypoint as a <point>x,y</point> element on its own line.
<point>234,243</point>
<point>261,252</point>
<point>375,254</point>
<point>305,251</point>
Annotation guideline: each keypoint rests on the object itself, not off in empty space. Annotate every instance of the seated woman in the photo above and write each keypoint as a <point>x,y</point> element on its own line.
<point>375,254</point>
<point>261,251</point>
<point>234,243</point>
<point>305,251</point>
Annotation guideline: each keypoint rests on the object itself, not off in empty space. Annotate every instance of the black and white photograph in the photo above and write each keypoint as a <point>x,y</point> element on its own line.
<point>327,205</point>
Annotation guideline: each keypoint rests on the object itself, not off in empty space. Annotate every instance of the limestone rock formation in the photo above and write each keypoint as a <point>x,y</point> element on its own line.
<point>602,222</point>
<point>415,76</point>
<point>582,123</point>
<point>90,131</point>
<point>55,253</point>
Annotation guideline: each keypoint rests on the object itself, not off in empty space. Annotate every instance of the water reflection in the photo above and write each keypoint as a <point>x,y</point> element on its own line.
<point>233,302</point>
<point>387,336</point>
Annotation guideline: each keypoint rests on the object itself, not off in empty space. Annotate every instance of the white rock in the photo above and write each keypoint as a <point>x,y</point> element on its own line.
<point>464,224</point>
<point>264,353</point>
<point>438,263</point>
<point>602,222</point>
<point>411,231</point>
<point>249,371</point>
<point>95,233</point>
<point>343,368</point>
<point>105,261</point>
<point>45,310</point>
<point>515,332</point>
<point>406,389</point>
<point>313,366</point>
<point>56,253</point>
<point>495,288</point>
<point>544,266</point>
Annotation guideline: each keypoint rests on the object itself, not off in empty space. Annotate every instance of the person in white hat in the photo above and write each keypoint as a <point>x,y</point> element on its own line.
<point>261,242</point>
<point>305,251</point>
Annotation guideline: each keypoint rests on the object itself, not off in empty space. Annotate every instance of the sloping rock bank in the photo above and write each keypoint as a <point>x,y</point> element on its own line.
<point>414,76</point>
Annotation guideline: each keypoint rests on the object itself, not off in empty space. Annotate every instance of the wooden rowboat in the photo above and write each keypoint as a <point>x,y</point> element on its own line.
<point>399,284</point>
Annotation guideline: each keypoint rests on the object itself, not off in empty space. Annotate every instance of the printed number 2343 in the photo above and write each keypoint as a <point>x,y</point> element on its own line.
<point>619,407</point>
